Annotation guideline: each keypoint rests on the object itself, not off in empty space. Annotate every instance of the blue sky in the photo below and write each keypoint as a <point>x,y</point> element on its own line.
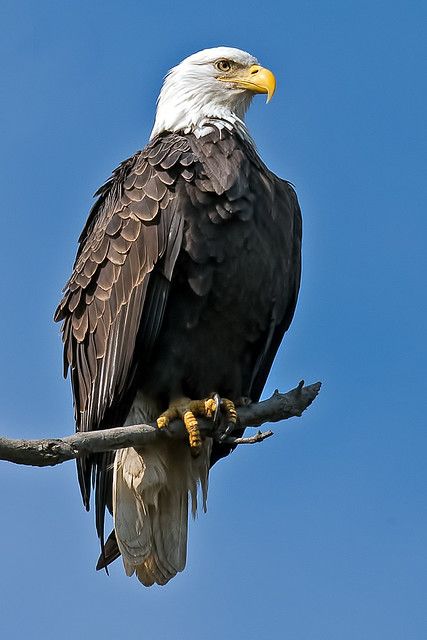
<point>318,533</point>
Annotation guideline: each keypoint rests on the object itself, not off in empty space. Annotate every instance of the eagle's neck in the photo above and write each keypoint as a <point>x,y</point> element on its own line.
<point>183,108</point>
<point>204,126</point>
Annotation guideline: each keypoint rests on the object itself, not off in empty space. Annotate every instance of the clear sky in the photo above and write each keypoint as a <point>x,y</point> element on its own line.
<point>320,532</point>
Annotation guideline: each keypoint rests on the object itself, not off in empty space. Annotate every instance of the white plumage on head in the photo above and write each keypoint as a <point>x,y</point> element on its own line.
<point>192,93</point>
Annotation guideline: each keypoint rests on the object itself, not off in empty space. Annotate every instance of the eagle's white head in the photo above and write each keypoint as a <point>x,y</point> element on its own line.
<point>214,83</point>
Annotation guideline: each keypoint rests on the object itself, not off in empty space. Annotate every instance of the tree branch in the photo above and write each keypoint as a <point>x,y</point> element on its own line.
<point>49,452</point>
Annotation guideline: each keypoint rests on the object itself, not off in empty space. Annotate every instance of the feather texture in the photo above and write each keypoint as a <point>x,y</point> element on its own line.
<point>185,281</point>
<point>150,506</point>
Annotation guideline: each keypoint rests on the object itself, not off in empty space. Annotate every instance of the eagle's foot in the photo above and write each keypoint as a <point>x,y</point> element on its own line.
<point>187,410</point>
<point>230,416</point>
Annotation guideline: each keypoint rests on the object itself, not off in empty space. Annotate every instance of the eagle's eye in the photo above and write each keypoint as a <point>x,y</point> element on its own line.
<point>223,65</point>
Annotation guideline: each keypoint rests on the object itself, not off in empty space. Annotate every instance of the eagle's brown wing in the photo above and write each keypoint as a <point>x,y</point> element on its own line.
<point>123,269</point>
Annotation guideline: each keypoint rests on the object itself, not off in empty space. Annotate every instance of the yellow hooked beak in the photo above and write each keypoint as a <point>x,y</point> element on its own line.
<point>256,79</point>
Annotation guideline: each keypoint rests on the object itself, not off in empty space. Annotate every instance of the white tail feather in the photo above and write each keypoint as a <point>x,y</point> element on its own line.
<point>150,506</point>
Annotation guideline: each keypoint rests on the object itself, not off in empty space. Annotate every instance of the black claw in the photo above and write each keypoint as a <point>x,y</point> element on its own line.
<point>228,431</point>
<point>230,428</point>
<point>218,406</point>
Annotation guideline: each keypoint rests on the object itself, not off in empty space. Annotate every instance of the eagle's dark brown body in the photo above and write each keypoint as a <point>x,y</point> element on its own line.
<point>185,281</point>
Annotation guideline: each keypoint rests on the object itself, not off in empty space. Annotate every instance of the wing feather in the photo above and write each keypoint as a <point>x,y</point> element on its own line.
<point>285,200</point>
<point>118,291</point>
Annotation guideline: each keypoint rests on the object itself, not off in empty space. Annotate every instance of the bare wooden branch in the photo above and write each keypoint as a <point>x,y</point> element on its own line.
<point>258,437</point>
<point>49,452</point>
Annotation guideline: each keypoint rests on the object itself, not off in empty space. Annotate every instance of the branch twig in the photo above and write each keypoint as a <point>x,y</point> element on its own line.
<point>49,452</point>
<point>258,437</point>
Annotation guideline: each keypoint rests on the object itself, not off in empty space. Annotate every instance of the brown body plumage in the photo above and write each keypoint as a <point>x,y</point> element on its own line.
<point>185,281</point>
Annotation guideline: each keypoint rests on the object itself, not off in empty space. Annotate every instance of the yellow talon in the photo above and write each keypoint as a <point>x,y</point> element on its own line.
<point>162,422</point>
<point>210,407</point>
<point>193,430</point>
<point>187,410</point>
<point>230,410</point>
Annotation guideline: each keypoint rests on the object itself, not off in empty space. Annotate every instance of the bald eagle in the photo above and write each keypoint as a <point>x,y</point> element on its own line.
<point>185,280</point>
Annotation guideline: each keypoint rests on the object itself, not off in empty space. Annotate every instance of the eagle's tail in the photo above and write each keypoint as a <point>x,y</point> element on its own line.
<point>150,506</point>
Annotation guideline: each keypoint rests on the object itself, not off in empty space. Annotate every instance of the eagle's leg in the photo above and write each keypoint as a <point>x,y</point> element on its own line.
<point>187,410</point>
